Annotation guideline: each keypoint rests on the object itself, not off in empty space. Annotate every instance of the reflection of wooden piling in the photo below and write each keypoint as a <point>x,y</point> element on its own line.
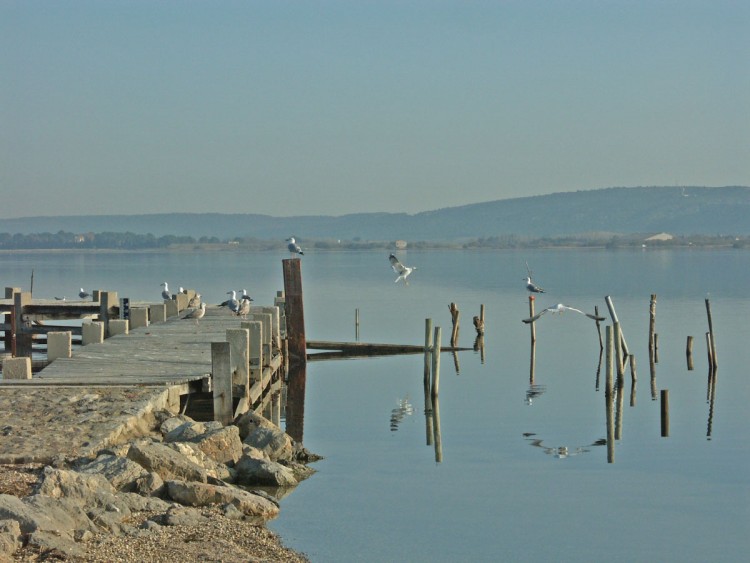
<point>294,310</point>
<point>619,352</point>
<point>665,413</point>
<point>429,433</point>
<point>455,319</point>
<point>619,412</point>
<point>608,398</point>
<point>689,353</point>
<point>708,351</point>
<point>714,362</point>
<point>633,379</point>
<point>436,363</point>
<point>531,314</point>
<point>456,363</point>
<point>356,324</point>
<point>295,401</point>
<point>436,428</point>
<point>711,397</point>
<point>598,327</point>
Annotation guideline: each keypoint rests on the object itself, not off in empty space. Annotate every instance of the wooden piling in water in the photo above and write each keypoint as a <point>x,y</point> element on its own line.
<point>427,351</point>
<point>294,310</point>
<point>709,351</point>
<point>608,394</point>
<point>531,314</point>
<point>651,327</point>
<point>455,319</point>
<point>436,362</point>
<point>613,316</point>
<point>665,413</point>
<point>714,362</point>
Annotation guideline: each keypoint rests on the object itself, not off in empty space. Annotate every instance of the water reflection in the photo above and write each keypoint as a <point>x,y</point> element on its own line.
<point>559,452</point>
<point>398,414</point>
<point>711,393</point>
<point>535,390</point>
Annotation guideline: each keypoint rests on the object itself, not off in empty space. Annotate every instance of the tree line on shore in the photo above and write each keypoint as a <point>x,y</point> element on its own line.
<point>63,240</point>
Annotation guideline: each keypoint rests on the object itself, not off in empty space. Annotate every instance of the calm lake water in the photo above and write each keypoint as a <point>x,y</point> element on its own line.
<point>523,473</point>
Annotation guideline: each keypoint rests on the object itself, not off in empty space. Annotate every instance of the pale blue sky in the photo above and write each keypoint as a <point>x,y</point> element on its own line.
<point>312,107</point>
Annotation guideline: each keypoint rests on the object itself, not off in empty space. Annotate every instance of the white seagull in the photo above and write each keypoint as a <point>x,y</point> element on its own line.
<point>293,247</point>
<point>244,307</point>
<point>83,294</point>
<point>195,301</point>
<point>402,271</point>
<point>532,287</point>
<point>196,313</point>
<point>232,302</point>
<point>560,308</point>
<point>165,292</point>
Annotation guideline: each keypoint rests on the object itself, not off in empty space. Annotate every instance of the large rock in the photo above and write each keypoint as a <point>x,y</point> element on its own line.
<point>252,471</point>
<point>165,461</point>
<point>10,538</point>
<point>222,445</point>
<point>59,483</point>
<point>199,494</point>
<point>213,468</point>
<point>185,432</point>
<point>273,441</point>
<point>38,512</point>
<point>121,472</point>
<point>250,421</point>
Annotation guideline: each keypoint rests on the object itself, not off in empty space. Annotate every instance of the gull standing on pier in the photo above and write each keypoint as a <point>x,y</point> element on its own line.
<point>560,308</point>
<point>196,313</point>
<point>402,271</point>
<point>165,292</point>
<point>293,247</point>
<point>83,294</point>
<point>232,302</point>
<point>195,301</point>
<point>244,307</point>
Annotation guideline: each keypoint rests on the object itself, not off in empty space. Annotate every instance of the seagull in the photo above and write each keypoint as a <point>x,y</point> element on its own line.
<point>293,247</point>
<point>532,287</point>
<point>165,292</point>
<point>244,307</point>
<point>560,308</point>
<point>232,302</point>
<point>83,294</point>
<point>196,313</point>
<point>195,301</point>
<point>402,271</point>
<point>60,298</point>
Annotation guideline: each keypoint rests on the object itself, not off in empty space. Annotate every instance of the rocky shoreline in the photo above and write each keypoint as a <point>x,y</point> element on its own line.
<point>187,491</point>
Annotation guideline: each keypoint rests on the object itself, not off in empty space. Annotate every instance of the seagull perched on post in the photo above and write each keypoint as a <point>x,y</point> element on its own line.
<point>402,271</point>
<point>244,307</point>
<point>560,308</point>
<point>83,294</point>
<point>232,302</point>
<point>293,247</point>
<point>530,285</point>
<point>165,292</point>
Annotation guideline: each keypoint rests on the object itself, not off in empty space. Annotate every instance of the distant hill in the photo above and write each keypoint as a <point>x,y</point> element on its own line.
<point>677,210</point>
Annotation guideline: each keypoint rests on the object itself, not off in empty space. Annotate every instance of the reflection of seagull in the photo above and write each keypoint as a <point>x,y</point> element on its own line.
<point>532,287</point>
<point>165,292</point>
<point>560,308</point>
<point>293,247</point>
<point>404,409</point>
<point>244,306</point>
<point>83,294</point>
<point>60,298</point>
<point>402,271</point>
<point>197,313</point>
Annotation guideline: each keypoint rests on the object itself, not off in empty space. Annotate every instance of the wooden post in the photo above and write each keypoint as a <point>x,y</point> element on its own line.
<point>453,308</point>
<point>255,329</point>
<point>608,396</point>
<point>436,427</point>
<point>689,353</point>
<point>613,316</point>
<point>92,333</point>
<point>221,370</point>
<point>107,300</point>
<point>633,380</point>
<point>714,362</point>
<point>651,327</point>
<point>436,362</point>
<point>239,346</point>
<point>17,368</point>
<point>294,310</point>
<point>356,324</point>
<point>598,327</point>
<point>531,314</point>
<point>9,335</point>
<point>59,345</point>
<point>23,339</point>
<point>664,413</point>
<point>709,352</point>
<point>619,353</point>
<point>427,351</point>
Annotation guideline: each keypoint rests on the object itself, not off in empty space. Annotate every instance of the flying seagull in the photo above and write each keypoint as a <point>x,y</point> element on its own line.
<point>402,271</point>
<point>560,308</point>
<point>83,294</point>
<point>293,247</point>
<point>165,292</point>
<point>196,313</point>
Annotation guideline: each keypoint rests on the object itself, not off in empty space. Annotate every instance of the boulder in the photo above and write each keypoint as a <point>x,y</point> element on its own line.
<point>121,472</point>
<point>184,432</point>
<point>172,422</point>
<point>250,421</point>
<point>251,471</point>
<point>273,441</point>
<point>194,454</point>
<point>10,538</point>
<point>60,483</point>
<point>169,464</point>
<point>38,512</point>
<point>150,484</point>
<point>199,494</point>
<point>223,445</point>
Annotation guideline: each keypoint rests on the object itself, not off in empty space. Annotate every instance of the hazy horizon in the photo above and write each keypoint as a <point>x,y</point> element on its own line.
<point>333,108</point>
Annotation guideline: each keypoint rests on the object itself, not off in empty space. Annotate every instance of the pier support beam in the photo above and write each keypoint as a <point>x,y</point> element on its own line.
<point>221,369</point>
<point>294,310</point>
